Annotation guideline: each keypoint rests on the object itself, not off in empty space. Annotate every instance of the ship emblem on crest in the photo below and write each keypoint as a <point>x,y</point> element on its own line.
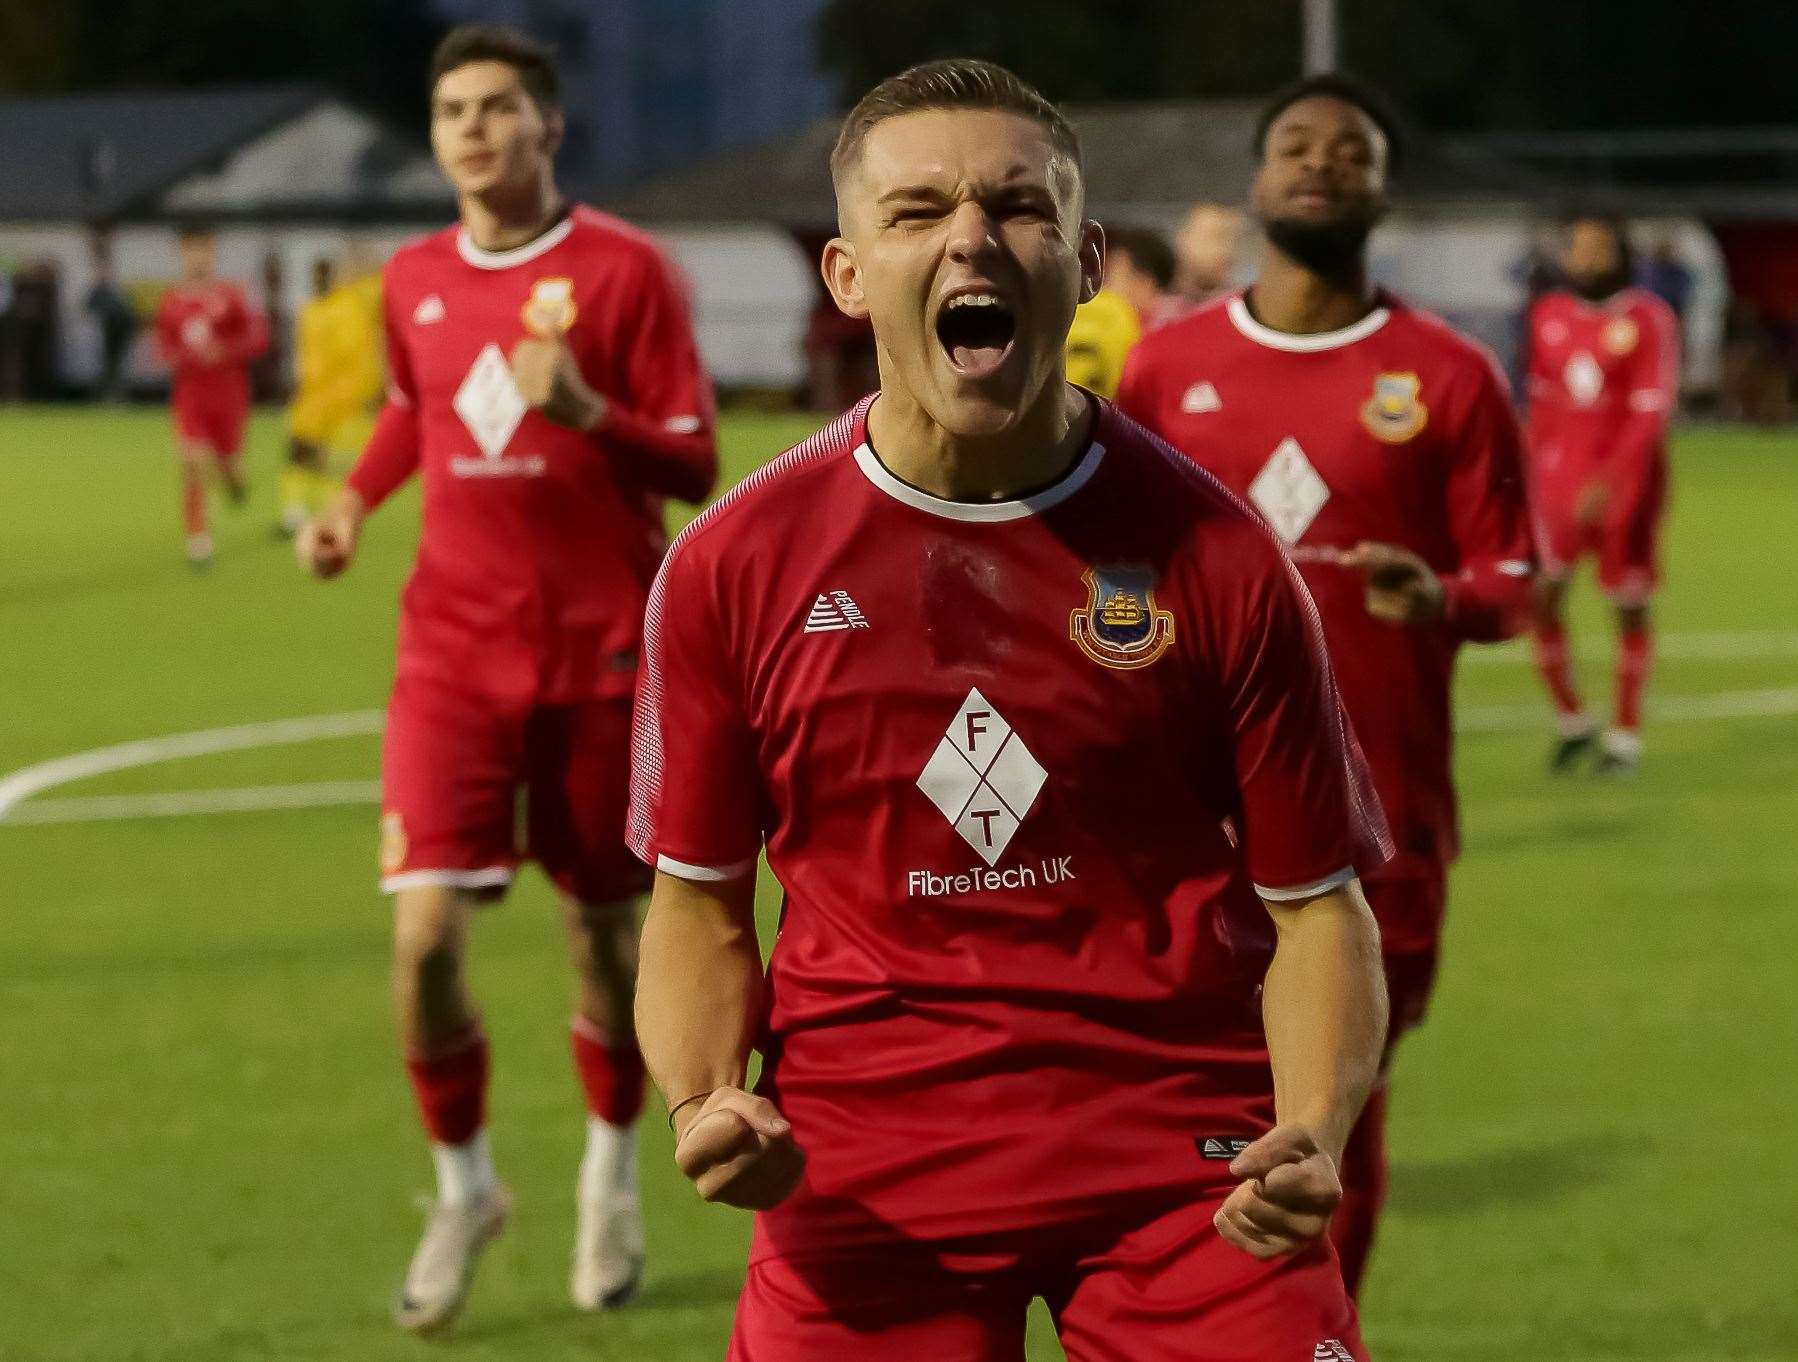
<point>550,310</point>
<point>1621,335</point>
<point>1121,626</point>
<point>1395,413</point>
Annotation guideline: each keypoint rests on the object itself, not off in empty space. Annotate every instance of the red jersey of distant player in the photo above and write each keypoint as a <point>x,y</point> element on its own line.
<point>1016,765</point>
<point>1603,381</point>
<point>207,333</point>
<point>1395,430</point>
<point>539,542</point>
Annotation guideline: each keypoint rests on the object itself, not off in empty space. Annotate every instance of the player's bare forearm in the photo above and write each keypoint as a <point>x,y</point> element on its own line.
<point>1324,1011</point>
<point>699,984</point>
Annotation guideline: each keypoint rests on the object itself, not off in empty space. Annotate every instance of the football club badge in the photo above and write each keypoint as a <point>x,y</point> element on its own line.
<point>393,842</point>
<point>1121,626</point>
<point>1621,335</point>
<point>550,310</point>
<point>1394,413</point>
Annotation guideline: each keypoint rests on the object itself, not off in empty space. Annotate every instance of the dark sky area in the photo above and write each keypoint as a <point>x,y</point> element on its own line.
<point>1462,65</point>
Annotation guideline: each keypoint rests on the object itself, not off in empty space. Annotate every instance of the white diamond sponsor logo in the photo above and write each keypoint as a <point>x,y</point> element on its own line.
<point>1584,379</point>
<point>489,402</point>
<point>982,777</point>
<point>1332,1350</point>
<point>1289,491</point>
<point>1201,397</point>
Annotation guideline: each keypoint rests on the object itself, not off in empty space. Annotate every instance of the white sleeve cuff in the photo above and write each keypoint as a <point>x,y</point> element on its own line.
<point>713,873</point>
<point>1308,891</point>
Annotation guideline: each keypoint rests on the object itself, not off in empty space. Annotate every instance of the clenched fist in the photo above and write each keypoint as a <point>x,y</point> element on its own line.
<point>1401,587</point>
<point>739,1150</point>
<point>1289,1188</point>
<point>326,544</point>
<point>550,382</point>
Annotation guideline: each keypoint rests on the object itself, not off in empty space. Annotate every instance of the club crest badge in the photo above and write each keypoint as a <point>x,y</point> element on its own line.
<point>1121,626</point>
<point>550,310</point>
<point>1394,413</point>
<point>1621,335</point>
<point>393,842</point>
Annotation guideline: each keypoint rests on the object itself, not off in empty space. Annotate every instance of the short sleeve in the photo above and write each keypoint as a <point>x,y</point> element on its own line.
<point>695,786</point>
<point>1310,818</point>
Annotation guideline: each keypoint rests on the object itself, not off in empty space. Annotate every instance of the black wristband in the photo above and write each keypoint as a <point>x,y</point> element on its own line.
<point>686,1101</point>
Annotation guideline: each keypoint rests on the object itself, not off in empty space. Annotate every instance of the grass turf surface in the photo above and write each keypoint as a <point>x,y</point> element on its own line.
<point>207,1150</point>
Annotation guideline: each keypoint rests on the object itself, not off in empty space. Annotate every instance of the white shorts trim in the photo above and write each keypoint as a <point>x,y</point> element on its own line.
<point>1308,891</point>
<point>710,873</point>
<point>492,877</point>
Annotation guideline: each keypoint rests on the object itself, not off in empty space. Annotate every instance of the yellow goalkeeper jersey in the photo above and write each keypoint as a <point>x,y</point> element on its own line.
<point>1102,334</point>
<point>338,351</point>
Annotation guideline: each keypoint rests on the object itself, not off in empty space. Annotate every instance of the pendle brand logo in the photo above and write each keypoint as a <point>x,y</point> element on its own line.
<point>834,611</point>
<point>1220,1147</point>
<point>1200,398</point>
<point>982,778</point>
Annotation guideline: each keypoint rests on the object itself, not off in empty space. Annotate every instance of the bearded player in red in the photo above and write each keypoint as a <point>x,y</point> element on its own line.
<point>547,387</point>
<point>207,334</point>
<point>1603,381</point>
<point>1020,703</point>
<point>1382,449</point>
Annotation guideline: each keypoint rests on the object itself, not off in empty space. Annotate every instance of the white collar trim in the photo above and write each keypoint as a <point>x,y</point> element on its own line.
<point>504,260</point>
<point>987,512</point>
<point>1304,344</point>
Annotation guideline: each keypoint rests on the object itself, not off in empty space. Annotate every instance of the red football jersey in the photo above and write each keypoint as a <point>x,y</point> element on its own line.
<point>1394,430</point>
<point>207,333</point>
<point>1010,762</point>
<point>1603,381</point>
<point>539,542</point>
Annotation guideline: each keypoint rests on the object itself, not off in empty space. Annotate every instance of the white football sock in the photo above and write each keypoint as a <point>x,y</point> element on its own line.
<point>464,1171</point>
<point>609,1167</point>
<point>1575,725</point>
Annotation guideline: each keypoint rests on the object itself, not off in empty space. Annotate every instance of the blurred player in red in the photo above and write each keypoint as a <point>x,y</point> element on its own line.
<point>546,385</point>
<point>1603,382</point>
<point>207,334</point>
<point>1020,703</point>
<point>1381,447</point>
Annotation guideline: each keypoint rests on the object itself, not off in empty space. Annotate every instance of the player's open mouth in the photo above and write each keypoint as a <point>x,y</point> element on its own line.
<point>976,330</point>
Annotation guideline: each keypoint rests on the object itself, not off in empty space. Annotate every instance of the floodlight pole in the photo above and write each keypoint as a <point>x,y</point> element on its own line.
<point>1319,19</point>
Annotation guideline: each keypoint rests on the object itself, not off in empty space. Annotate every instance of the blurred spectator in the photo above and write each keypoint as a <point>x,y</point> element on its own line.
<point>28,350</point>
<point>1205,250</point>
<point>112,312</point>
<point>269,371</point>
<point>1139,265</point>
<point>1757,382</point>
<point>1663,275</point>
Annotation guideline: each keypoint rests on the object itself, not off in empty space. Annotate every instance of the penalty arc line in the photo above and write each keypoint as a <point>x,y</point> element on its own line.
<point>18,787</point>
<point>30,780</point>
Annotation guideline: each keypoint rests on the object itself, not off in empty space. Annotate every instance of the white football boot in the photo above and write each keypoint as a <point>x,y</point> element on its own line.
<point>608,1235</point>
<point>442,1268</point>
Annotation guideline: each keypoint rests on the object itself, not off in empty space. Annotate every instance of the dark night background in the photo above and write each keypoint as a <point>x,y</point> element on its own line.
<point>1455,65</point>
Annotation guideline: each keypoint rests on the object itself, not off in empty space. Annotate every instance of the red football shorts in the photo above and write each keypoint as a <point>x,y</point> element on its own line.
<point>214,420</point>
<point>1626,537</point>
<point>1161,1287</point>
<point>453,766</point>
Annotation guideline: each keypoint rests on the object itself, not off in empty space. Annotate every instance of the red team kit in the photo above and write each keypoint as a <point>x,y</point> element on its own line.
<point>1603,381</point>
<point>1022,769</point>
<point>521,623</point>
<point>1394,430</point>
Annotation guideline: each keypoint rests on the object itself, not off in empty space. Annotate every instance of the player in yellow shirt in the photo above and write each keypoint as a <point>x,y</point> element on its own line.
<point>1103,332</point>
<point>338,345</point>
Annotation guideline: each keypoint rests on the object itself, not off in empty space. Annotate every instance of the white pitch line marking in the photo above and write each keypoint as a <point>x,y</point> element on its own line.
<point>247,799</point>
<point>1747,645</point>
<point>47,775</point>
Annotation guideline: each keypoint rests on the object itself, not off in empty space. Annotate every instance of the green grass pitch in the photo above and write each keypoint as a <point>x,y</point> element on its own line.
<point>207,1151</point>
